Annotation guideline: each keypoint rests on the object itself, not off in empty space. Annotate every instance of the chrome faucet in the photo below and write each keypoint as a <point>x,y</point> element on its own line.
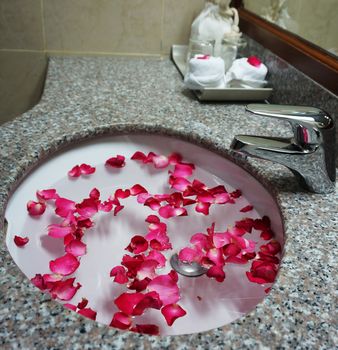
<point>309,154</point>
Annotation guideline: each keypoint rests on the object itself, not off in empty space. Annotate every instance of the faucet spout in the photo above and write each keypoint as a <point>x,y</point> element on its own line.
<point>309,154</point>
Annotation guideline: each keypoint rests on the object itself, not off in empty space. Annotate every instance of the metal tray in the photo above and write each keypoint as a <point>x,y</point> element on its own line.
<point>178,55</point>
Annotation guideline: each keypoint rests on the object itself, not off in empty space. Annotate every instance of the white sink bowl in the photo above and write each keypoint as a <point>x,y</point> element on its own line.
<point>209,304</point>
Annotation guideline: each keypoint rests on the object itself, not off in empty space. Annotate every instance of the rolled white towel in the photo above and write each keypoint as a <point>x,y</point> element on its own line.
<point>247,69</point>
<point>205,71</point>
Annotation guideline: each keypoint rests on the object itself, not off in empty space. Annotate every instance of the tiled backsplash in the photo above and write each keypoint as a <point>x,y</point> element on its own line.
<point>32,29</point>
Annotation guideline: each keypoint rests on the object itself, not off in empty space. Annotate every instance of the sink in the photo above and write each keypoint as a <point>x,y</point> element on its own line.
<point>208,304</point>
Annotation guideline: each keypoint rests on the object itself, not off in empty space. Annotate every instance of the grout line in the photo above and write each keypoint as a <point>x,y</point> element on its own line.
<point>162,27</point>
<point>22,50</point>
<point>101,53</point>
<point>42,8</point>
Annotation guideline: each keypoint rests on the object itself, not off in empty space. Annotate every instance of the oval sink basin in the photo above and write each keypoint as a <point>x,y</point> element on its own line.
<point>207,302</point>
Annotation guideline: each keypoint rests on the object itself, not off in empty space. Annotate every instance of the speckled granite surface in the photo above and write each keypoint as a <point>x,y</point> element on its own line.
<point>85,97</point>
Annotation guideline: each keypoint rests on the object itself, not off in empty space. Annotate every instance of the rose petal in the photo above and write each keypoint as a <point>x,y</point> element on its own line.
<point>152,203</point>
<point>21,241</point>
<point>76,248</point>
<point>271,248</point>
<point>221,239</point>
<point>75,171</point>
<point>179,183</point>
<point>246,209</point>
<point>149,329</point>
<point>39,282</point>
<point>88,312</point>
<point>36,208</point>
<point>70,306</point>
<point>119,273</point>
<point>183,170</point>
<point>160,161</point>
<point>137,189</point>
<point>203,208</point>
<point>86,169</point>
<point>82,304</point>
<point>126,302</point>
<point>64,207</point>
<point>87,208</point>
<point>138,156</point>
<point>59,231</point>
<point>147,269</point>
<point>64,265</point>
<point>167,289</point>
<point>116,162</point>
<point>45,195</point>
<point>172,312</point>
<point>94,194</point>
<point>190,255</point>
<point>217,273</point>
<point>117,209</point>
<point>64,290</point>
<point>236,194</point>
<point>174,158</point>
<point>150,300</point>
<point>152,219</point>
<point>168,212</point>
<point>158,257</point>
<point>121,321</point>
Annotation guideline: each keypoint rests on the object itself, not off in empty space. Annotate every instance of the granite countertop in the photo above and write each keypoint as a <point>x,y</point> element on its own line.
<point>86,97</point>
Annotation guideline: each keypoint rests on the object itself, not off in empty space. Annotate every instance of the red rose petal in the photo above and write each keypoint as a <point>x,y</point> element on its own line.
<point>21,241</point>
<point>149,329</point>
<point>76,248</point>
<point>121,321</point>
<point>36,208</point>
<point>246,209</point>
<point>172,312</point>
<point>147,269</point>
<point>39,282</point>
<point>174,158</point>
<point>126,302</point>
<point>64,290</point>
<point>203,208</point>
<point>116,162</point>
<point>75,171</point>
<point>82,304</point>
<point>138,156</point>
<point>150,300</point>
<point>86,169</point>
<point>137,189</point>
<point>119,273</point>
<point>70,306</point>
<point>122,194</point>
<point>217,273</point>
<point>117,209</point>
<point>94,194</point>
<point>45,195</point>
<point>64,265</point>
<point>179,183</point>
<point>88,312</point>
<point>183,170</point>
<point>87,208</point>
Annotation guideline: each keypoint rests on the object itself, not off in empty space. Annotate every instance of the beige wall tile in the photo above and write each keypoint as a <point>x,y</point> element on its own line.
<point>22,76</point>
<point>178,16</point>
<point>21,24</point>
<point>130,26</point>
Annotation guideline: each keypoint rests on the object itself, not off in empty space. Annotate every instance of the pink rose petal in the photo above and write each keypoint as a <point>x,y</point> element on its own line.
<point>172,312</point>
<point>45,195</point>
<point>64,207</point>
<point>160,162</point>
<point>147,270</point>
<point>168,212</point>
<point>179,183</point>
<point>76,248</point>
<point>183,170</point>
<point>87,208</point>
<point>167,289</point>
<point>64,265</point>
<point>21,241</point>
<point>158,257</point>
<point>59,231</point>
<point>116,162</point>
<point>36,208</point>
<point>190,255</point>
<point>203,208</point>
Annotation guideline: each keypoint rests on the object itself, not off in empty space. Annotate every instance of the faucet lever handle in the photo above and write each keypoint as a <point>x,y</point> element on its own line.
<point>308,123</point>
<point>309,117</point>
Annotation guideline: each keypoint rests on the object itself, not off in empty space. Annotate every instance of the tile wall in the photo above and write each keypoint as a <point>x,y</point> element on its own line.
<point>30,30</point>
